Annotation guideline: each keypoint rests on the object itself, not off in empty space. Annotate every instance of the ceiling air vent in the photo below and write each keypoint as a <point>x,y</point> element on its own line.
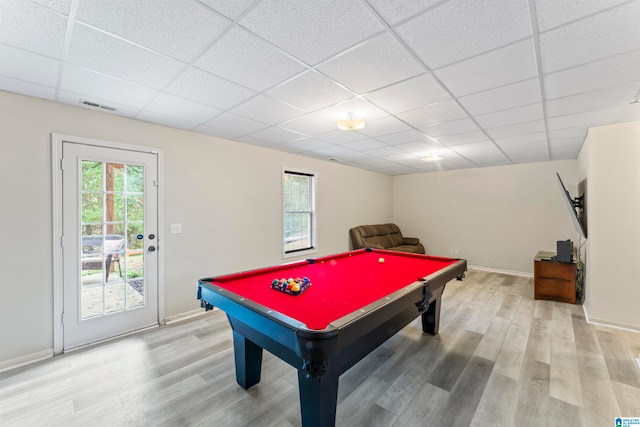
<point>96,105</point>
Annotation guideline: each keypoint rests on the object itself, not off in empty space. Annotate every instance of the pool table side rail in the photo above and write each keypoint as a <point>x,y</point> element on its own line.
<point>275,268</point>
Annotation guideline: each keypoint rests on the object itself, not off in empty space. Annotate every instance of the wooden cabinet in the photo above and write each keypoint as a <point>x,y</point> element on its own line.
<point>553,280</point>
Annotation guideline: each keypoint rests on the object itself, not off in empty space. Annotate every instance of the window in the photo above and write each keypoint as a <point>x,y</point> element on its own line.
<point>298,211</point>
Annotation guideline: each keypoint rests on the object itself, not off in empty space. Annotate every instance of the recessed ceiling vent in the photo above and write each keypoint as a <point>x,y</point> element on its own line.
<point>96,105</point>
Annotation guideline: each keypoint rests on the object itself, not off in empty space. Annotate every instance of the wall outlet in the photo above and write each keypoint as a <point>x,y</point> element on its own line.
<point>176,228</point>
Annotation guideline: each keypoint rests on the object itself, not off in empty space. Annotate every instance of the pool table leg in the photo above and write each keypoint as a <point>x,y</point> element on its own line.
<point>248,358</point>
<point>318,399</point>
<point>431,317</point>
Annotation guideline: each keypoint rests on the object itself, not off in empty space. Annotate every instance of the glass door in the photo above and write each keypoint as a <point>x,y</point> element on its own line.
<point>110,242</point>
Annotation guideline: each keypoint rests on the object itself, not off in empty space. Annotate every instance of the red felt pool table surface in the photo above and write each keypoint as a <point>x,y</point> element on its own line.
<point>341,284</point>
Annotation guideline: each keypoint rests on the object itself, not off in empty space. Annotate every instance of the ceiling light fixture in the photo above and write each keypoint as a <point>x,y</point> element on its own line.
<point>431,157</point>
<point>352,123</point>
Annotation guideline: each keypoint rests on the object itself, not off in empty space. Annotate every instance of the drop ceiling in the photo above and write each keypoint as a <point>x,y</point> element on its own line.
<point>480,83</point>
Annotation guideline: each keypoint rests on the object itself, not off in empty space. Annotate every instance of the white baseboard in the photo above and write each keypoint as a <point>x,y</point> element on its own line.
<point>186,315</point>
<point>26,359</point>
<point>610,324</point>
<point>499,270</point>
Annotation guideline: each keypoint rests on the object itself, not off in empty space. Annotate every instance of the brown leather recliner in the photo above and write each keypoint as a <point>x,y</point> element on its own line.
<point>384,236</point>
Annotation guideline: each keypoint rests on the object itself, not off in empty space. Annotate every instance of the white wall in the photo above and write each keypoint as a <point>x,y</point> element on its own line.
<point>497,217</point>
<point>610,159</point>
<point>226,195</point>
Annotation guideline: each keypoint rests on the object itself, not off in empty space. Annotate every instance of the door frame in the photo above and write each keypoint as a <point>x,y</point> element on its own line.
<point>57,238</point>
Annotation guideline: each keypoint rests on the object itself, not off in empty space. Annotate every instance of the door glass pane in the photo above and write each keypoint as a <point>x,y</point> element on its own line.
<point>112,230</point>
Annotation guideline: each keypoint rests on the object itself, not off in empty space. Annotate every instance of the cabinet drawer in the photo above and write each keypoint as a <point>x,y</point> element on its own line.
<point>555,289</point>
<point>555,270</point>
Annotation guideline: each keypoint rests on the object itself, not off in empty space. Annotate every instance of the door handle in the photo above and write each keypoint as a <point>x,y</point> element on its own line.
<point>152,248</point>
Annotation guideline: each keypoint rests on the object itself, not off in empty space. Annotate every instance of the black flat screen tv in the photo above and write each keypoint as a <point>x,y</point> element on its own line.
<point>573,205</point>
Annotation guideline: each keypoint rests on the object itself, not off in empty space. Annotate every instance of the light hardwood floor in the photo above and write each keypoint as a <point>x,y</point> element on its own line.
<point>501,359</point>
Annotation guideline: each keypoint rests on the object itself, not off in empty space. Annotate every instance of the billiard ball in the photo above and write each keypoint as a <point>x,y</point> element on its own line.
<point>381,260</point>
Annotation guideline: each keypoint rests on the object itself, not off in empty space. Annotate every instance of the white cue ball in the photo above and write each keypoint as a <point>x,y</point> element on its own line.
<point>381,260</point>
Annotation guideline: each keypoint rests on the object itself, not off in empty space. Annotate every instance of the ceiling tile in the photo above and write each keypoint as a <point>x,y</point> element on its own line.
<point>476,148</point>
<point>418,146</point>
<point>450,128</point>
<point>230,9</point>
<point>630,113</point>
<point>593,76</point>
<point>26,88</point>
<point>565,149</point>
<point>91,85</point>
<point>22,65</point>
<point>611,96</point>
<point>236,124</point>
<point>516,142</point>
<point>378,62</point>
<point>42,33</point>
<point>364,145</point>
<point>308,144</point>
<point>310,30</point>
<point>267,110</point>
<point>535,126</point>
<point>342,136</point>
<point>309,125</point>
<point>181,29</point>
<point>385,151</point>
<point>169,121</point>
<point>356,107</point>
<point>526,113</point>
<point>460,29</point>
<point>483,152</point>
<point>409,94</point>
<point>277,135</point>
<point>577,132</point>
<point>405,158</point>
<point>523,150</point>
<point>310,91</point>
<point>121,59</point>
<point>239,54</point>
<point>219,133</point>
<point>502,98</point>
<point>565,142</point>
<point>534,157</point>
<point>259,142</point>
<point>463,138</point>
<point>540,151</point>
<point>411,135</point>
<point>489,163</point>
<point>383,126</point>
<point>173,106</point>
<point>435,113</point>
<point>205,88</point>
<point>608,33</point>
<point>394,11</point>
<point>499,67</point>
<point>588,119</point>
<point>334,151</point>
<point>62,6</point>
<point>552,13</point>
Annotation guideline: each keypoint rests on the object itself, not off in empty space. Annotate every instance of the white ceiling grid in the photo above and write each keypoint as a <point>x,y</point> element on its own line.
<point>486,83</point>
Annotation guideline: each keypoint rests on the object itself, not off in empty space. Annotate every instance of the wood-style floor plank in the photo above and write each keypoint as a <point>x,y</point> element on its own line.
<point>501,359</point>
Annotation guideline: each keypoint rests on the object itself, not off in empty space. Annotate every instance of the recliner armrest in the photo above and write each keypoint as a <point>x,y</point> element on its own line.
<point>410,240</point>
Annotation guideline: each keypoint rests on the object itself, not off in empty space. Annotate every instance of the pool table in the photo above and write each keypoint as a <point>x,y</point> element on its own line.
<point>356,301</point>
